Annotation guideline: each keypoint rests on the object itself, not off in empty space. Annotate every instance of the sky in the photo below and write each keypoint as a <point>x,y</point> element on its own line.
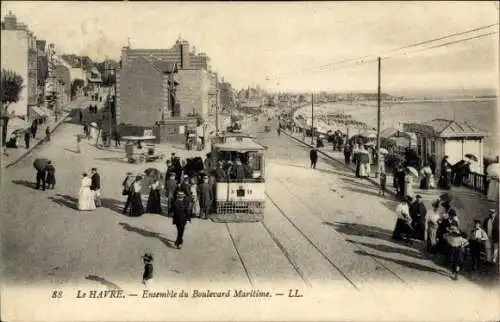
<point>278,45</point>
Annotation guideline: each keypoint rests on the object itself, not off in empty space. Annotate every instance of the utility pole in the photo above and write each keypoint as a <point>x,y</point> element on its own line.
<point>312,118</point>
<point>379,164</point>
<point>217,113</point>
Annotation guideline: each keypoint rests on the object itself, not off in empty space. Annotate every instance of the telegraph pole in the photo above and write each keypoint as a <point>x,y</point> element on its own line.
<point>378,121</point>
<point>312,118</point>
<point>217,113</point>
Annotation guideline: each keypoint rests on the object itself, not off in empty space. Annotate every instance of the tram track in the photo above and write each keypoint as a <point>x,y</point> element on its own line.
<point>313,212</point>
<point>242,262</point>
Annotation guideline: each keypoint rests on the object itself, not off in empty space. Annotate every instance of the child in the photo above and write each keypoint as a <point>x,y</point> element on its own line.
<point>147,276</point>
<point>477,239</point>
<point>383,180</point>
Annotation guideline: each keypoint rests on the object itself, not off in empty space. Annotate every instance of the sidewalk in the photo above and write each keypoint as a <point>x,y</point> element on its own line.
<point>470,204</point>
<point>16,155</point>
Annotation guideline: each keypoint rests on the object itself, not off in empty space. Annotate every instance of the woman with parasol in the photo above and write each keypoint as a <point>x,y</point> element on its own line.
<point>411,172</point>
<point>154,199</point>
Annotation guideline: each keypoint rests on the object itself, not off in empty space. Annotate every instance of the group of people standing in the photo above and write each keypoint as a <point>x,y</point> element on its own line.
<point>46,177</point>
<point>439,230</point>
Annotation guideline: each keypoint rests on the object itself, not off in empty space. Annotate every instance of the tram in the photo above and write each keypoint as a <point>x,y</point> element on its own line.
<point>238,194</point>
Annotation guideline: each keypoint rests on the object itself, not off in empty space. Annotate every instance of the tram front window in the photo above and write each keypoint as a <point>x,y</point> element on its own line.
<point>241,166</point>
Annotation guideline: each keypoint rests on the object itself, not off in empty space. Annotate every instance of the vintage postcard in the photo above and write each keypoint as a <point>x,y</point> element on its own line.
<point>249,161</point>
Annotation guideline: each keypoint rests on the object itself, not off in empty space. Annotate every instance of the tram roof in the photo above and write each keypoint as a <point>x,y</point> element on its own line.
<point>244,146</point>
<point>237,134</point>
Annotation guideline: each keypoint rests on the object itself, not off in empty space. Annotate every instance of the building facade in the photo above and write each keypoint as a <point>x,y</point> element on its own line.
<point>19,54</point>
<point>196,92</point>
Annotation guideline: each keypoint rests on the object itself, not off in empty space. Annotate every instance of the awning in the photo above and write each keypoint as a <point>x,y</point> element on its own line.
<point>39,112</point>
<point>15,125</point>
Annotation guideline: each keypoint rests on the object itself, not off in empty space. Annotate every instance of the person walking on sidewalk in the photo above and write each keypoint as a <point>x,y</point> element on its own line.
<point>27,137</point>
<point>490,225</point>
<point>96,186</point>
<point>47,133</point>
<point>313,157</point>
<point>457,244</point>
<point>477,239</point>
<point>181,215</point>
<point>33,129</point>
<point>431,226</point>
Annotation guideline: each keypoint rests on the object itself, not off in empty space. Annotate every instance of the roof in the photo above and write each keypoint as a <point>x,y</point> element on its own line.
<point>451,128</point>
<point>445,129</point>
<point>164,66</point>
<point>244,146</point>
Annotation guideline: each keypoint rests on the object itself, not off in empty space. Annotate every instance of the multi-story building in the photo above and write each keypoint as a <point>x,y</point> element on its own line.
<point>143,97</point>
<point>77,66</point>
<point>19,54</point>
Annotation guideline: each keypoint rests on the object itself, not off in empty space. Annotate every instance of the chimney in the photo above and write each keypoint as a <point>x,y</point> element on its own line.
<point>10,22</point>
<point>125,54</point>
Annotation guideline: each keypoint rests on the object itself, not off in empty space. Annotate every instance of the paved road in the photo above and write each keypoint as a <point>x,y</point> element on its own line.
<point>323,229</point>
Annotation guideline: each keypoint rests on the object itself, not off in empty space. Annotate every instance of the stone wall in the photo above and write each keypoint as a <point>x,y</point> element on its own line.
<point>192,92</point>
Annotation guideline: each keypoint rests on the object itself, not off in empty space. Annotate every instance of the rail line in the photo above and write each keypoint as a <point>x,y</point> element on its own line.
<point>312,243</point>
<point>239,255</point>
<point>358,247</point>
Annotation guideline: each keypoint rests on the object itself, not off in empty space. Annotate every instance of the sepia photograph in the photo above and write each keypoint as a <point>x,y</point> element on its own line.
<point>249,161</point>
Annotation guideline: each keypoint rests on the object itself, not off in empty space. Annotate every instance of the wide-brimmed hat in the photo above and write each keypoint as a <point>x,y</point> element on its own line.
<point>418,197</point>
<point>147,257</point>
<point>492,211</point>
<point>180,193</point>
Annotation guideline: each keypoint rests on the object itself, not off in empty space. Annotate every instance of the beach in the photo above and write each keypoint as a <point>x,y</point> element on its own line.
<point>481,114</point>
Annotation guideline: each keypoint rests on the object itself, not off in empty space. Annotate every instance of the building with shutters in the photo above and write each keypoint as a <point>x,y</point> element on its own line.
<point>19,54</point>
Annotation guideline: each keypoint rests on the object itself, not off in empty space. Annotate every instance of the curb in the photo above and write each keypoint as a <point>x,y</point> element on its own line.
<point>22,156</point>
<point>371,180</point>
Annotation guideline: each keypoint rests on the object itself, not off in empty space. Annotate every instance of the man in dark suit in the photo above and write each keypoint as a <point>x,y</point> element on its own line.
<point>313,156</point>
<point>181,215</point>
<point>40,179</point>
<point>206,198</point>
<point>171,188</point>
<point>418,213</point>
<point>490,226</point>
<point>95,186</point>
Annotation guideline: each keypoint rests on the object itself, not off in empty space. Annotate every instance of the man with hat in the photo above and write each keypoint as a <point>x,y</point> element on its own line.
<point>403,223</point>
<point>206,198</point>
<point>170,190</point>
<point>417,214</point>
<point>181,214</point>
<point>477,237</point>
<point>126,184</point>
<point>490,225</point>
<point>96,186</point>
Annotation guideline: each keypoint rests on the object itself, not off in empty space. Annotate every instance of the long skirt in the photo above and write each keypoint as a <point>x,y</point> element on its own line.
<point>456,257</point>
<point>424,183</point>
<point>154,202</point>
<point>86,199</point>
<point>431,239</point>
<point>401,229</point>
<point>196,206</point>
<point>136,207</point>
<point>492,190</point>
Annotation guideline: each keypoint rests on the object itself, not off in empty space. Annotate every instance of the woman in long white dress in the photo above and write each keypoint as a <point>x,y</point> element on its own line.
<point>409,184</point>
<point>86,197</point>
<point>195,199</point>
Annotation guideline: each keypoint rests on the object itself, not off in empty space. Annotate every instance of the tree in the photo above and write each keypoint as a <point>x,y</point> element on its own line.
<point>11,85</point>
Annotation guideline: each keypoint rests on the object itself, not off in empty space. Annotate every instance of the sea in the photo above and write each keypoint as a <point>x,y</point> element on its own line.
<point>479,113</point>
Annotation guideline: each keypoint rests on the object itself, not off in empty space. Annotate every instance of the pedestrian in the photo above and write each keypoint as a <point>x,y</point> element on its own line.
<point>34,129</point>
<point>457,245</point>
<point>490,225</point>
<point>41,175</point>
<point>185,186</point>
<point>206,198</point>
<point>417,214</point>
<point>181,215</point>
<point>86,197</point>
<point>347,153</point>
<point>170,191</point>
<point>51,175</point>
<point>126,191</point>
<point>477,238</point>
<point>147,276</point>
<point>195,201</point>
<point>78,140</point>
<point>408,182</point>
<point>47,133</point>
<point>313,157</point>
<point>136,207</point>
<point>116,135</point>
<point>383,182</point>
<point>96,186</point>
<point>403,229</point>
<point>154,199</point>
<point>431,226</point>
<point>27,138</point>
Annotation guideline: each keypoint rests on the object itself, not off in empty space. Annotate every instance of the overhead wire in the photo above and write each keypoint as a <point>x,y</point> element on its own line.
<point>356,61</point>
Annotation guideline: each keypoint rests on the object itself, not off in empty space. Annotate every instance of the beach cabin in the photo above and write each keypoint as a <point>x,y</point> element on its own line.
<point>447,137</point>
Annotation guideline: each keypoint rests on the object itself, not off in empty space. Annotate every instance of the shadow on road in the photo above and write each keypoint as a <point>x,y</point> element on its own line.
<point>401,262</point>
<point>113,159</point>
<point>146,233</point>
<point>355,229</point>
<point>103,281</point>
<point>72,151</point>
<point>26,183</point>
<point>366,191</point>
<point>65,201</point>
<point>389,249</point>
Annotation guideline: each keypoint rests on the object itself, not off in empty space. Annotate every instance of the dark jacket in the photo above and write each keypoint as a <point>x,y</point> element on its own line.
<point>494,237</point>
<point>96,182</point>
<point>220,174</point>
<point>27,136</point>
<point>206,195</point>
<point>170,188</point>
<point>313,155</point>
<point>417,211</point>
<point>181,211</point>
<point>238,172</point>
